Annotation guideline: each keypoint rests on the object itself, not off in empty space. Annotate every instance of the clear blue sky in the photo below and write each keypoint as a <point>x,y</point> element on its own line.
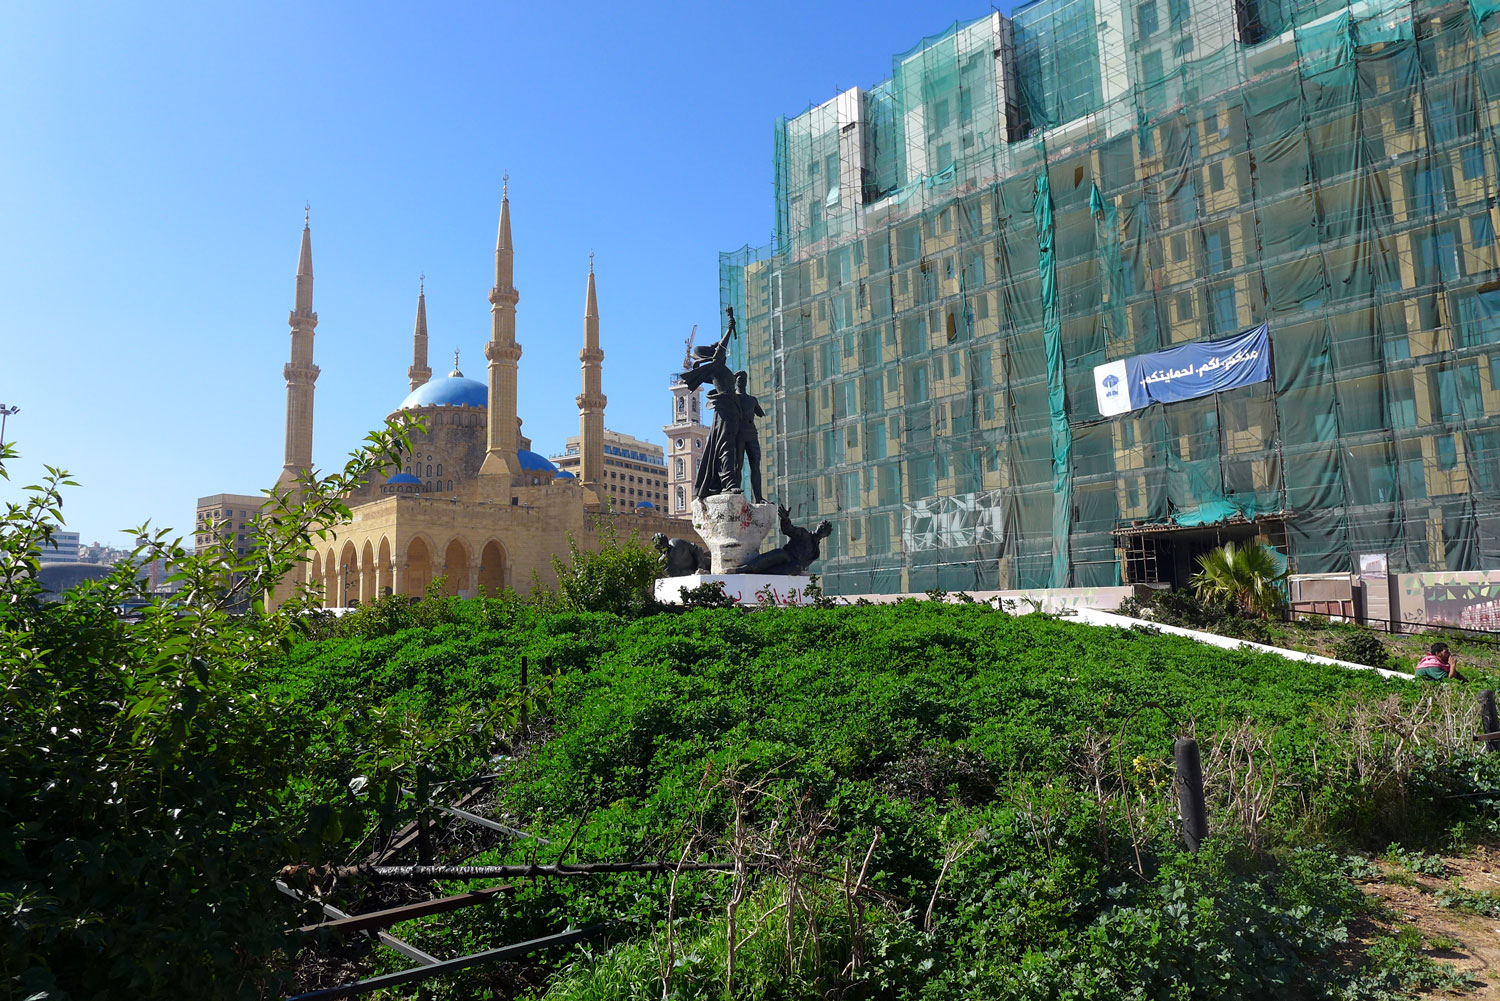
<point>155,162</point>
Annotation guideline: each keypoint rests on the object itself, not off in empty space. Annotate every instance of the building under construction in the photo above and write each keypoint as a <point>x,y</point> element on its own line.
<point>962,249</point>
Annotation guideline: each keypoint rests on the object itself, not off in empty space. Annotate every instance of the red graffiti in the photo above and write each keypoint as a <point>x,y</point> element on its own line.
<point>744,515</point>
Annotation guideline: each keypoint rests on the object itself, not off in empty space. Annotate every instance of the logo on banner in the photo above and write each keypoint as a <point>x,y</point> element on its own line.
<point>1110,384</point>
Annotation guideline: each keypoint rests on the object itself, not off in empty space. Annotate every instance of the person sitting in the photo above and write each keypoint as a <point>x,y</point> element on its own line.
<point>1438,664</point>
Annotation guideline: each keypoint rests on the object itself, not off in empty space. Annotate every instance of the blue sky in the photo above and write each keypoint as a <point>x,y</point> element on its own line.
<point>155,161</point>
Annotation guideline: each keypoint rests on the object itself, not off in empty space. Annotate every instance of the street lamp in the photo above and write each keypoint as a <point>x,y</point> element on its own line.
<point>4,413</point>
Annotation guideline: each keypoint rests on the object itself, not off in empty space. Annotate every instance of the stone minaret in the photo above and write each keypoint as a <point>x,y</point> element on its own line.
<point>300,372</point>
<point>591,401</point>
<point>419,373</point>
<point>503,353</point>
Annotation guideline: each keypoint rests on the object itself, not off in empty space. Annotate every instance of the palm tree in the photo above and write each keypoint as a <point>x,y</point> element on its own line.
<point>1245,575</point>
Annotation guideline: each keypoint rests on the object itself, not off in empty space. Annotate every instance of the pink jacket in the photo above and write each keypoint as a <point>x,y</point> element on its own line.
<point>1431,660</point>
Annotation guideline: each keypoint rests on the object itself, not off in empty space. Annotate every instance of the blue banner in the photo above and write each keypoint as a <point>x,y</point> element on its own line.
<point>1183,373</point>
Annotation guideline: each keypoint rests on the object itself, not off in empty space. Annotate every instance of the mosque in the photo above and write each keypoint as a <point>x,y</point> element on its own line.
<point>472,504</point>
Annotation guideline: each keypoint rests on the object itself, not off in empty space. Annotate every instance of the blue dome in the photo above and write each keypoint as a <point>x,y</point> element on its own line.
<point>531,462</point>
<point>565,475</point>
<point>403,478</point>
<point>645,504</point>
<point>451,391</point>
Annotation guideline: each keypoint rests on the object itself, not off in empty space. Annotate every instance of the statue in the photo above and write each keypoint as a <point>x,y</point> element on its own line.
<point>747,444</point>
<point>799,553</point>
<point>682,557</point>
<point>719,473</point>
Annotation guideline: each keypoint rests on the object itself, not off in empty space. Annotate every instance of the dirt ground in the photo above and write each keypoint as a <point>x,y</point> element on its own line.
<point>1411,899</point>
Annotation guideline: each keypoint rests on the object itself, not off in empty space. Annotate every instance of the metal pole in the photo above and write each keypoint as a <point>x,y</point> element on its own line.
<point>1490,721</point>
<point>4,413</point>
<point>1190,792</point>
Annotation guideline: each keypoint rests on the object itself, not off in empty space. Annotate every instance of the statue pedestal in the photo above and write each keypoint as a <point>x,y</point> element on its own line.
<point>731,528</point>
<point>745,588</point>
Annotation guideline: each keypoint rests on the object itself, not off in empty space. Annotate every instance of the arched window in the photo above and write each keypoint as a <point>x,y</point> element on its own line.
<point>440,469</point>
<point>429,469</point>
<point>680,467</point>
<point>680,402</point>
<point>450,486</point>
<point>681,498</point>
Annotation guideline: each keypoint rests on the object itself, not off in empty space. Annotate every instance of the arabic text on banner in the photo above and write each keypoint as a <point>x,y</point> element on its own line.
<point>1183,373</point>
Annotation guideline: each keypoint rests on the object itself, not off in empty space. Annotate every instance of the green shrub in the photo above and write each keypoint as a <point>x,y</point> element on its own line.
<point>145,782</point>
<point>619,577</point>
<point>1359,645</point>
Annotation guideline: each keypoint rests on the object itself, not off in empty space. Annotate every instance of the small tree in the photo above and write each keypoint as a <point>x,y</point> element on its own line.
<point>144,786</point>
<point>1247,576</point>
<point>618,577</point>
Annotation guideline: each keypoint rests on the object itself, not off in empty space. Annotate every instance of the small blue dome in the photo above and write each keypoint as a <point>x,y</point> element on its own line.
<point>531,462</point>
<point>645,504</point>
<point>452,391</point>
<point>565,475</point>
<point>403,478</point>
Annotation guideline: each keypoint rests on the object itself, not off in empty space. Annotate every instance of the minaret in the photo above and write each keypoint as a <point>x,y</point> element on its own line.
<point>591,401</point>
<point>300,372</point>
<point>419,373</point>
<point>503,352</point>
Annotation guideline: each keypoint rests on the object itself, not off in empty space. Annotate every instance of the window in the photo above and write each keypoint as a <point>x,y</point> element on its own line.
<point>1151,71</point>
<point>1473,160</point>
<point>1447,452</point>
<point>1216,176</point>
<point>1226,311</point>
<point>1216,245</point>
<point>1179,247</point>
<point>1481,230</point>
<point>1185,306</point>
<point>680,468</point>
<point>440,469</point>
<point>1146,17</point>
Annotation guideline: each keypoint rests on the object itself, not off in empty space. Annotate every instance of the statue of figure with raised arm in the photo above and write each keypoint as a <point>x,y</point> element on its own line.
<point>719,472</point>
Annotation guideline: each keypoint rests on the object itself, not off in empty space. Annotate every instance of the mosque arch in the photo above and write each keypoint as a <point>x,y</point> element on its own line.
<point>385,573</point>
<point>315,577</point>
<point>493,569</point>
<point>348,578</point>
<point>456,565</point>
<point>330,581</point>
<point>418,567</point>
<point>367,573</point>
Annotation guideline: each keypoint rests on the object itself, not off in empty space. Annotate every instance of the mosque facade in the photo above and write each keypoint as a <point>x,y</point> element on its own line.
<point>471,506</point>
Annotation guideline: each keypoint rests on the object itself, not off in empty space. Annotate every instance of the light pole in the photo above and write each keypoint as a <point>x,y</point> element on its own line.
<point>4,413</point>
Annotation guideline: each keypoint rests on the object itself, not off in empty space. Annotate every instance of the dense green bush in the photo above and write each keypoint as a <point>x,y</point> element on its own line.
<point>1214,613</point>
<point>1028,755</point>
<point>147,789</point>
<point>1359,645</point>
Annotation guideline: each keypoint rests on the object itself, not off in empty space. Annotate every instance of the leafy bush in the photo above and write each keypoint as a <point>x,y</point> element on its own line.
<point>1418,862</point>
<point>145,784</point>
<point>619,577</point>
<point>1359,645</point>
<point>1211,613</point>
<point>709,594</point>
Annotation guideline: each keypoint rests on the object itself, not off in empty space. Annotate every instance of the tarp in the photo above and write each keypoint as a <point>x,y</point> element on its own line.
<point>1183,373</point>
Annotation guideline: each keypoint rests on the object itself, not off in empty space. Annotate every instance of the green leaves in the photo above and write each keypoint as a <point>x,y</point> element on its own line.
<point>144,775</point>
<point>1247,575</point>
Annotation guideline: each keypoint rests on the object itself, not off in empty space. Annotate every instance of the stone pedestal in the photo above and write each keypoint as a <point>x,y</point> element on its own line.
<point>745,588</point>
<point>732,528</point>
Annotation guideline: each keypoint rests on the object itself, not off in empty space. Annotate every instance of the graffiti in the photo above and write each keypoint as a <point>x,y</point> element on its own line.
<point>976,519</point>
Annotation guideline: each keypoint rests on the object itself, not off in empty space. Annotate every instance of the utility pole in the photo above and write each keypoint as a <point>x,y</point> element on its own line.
<point>4,413</point>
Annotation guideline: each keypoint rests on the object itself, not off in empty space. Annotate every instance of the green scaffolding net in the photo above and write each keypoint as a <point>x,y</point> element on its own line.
<point>1026,198</point>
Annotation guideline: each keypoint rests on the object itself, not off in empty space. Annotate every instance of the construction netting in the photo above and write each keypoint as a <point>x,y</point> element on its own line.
<point>1027,198</point>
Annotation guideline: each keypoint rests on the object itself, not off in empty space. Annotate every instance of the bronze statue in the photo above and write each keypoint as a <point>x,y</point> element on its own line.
<point>747,444</point>
<point>681,556</point>
<point>799,553</point>
<point>720,471</point>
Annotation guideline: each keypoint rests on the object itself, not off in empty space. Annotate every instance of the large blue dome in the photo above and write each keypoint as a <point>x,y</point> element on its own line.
<point>451,391</point>
<point>403,478</point>
<point>531,462</point>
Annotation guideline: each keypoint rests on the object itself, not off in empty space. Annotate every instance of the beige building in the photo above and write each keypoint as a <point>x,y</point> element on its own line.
<point>472,504</point>
<point>233,514</point>
<point>635,472</point>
